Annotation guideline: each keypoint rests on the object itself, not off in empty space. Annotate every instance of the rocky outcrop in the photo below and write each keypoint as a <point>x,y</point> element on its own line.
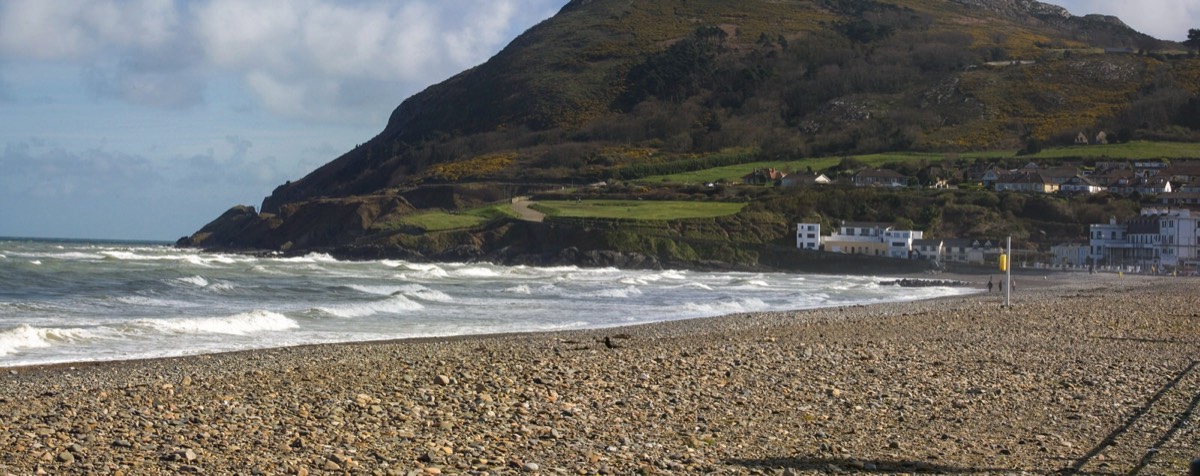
<point>1019,8</point>
<point>298,225</point>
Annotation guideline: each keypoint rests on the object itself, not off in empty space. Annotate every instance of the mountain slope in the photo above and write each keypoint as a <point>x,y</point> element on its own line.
<point>609,84</point>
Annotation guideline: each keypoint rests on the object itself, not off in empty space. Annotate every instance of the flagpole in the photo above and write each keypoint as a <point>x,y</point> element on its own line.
<point>1008,276</point>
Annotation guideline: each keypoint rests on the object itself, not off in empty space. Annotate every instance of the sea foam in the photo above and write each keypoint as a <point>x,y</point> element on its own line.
<point>396,304</point>
<point>237,324</point>
<point>26,336</point>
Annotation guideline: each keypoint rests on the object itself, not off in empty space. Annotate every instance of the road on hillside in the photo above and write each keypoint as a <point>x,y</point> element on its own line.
<point>521,205</point>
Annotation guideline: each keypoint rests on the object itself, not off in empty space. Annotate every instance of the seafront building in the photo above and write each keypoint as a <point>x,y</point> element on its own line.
<point>885,240</point>
<point>1157,240</point>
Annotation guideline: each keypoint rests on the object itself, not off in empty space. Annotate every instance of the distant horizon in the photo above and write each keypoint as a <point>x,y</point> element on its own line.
<point>59,239</point>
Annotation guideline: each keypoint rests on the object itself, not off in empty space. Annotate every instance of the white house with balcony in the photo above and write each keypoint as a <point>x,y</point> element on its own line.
<point>1150,241</point>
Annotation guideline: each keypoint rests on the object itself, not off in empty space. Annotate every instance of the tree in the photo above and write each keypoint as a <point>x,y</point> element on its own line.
<point>1193,40</point>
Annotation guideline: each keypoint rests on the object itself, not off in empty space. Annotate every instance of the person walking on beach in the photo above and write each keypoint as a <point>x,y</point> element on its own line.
<point>989,284</point>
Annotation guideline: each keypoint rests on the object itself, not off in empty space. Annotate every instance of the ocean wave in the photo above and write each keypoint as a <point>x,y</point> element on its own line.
<point>36,262</point>
<point>619,293</point>
<point>143,301</point>
<point>67,256</point>
<point>377,290</point>
<point>519,289</point>
<point>222,286</point>
<point>237,324</point>
<point>426,294</point>
<point>725,307</point>
<point>476,272</point>
<point>396,304</point>
<point>410,290</point>
<point>692,285</point>
<point>196,261</point>
<point>26,336</point>
<point>197,281</point>
<point>310,258</point>
<point>427,270</point>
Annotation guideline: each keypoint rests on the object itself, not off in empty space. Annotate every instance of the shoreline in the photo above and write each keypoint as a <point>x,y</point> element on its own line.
<point>1082,375</point>
<point>947,280</point>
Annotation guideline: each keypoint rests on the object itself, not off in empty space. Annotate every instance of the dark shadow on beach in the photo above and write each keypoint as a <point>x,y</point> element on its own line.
<point>862,466</point>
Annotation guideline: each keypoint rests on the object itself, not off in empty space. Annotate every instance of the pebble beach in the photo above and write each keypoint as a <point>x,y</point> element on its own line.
<point>1083,374</point>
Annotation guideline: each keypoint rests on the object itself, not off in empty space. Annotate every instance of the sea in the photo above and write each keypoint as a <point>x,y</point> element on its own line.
<point>80,301</point>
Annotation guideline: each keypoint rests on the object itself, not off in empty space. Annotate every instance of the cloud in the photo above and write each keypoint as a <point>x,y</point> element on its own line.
<point>54,173</point>
<point>316,59</point>
<point>6,93</point>
<point>42,29</point>
<point>319,60</point>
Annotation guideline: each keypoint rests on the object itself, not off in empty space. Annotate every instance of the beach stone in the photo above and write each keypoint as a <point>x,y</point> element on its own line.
<point>1017,375</point>
<point>441,380</point>
<point>66,457</point>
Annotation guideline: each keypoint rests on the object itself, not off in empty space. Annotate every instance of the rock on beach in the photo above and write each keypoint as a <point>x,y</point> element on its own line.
<point>1083,375</point>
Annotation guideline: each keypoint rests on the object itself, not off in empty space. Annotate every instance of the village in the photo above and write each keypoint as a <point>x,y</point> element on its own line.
<point>1161,239</point>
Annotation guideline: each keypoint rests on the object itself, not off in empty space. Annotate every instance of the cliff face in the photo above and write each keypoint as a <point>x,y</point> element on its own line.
<point>607,86</point>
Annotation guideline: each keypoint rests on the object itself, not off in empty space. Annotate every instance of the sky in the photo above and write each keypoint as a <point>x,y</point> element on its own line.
<point>146,119</point>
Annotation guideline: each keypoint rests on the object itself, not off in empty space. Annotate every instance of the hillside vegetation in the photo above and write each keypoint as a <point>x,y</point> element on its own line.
<point>650,91</point>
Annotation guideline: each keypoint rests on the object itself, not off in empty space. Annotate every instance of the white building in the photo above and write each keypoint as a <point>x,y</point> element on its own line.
<point>1071,255</point>
<point>900,242</point>
<point>873,239</point>
<point>1155,239</point>
<point>808,236</point>
<point>1180,238</point>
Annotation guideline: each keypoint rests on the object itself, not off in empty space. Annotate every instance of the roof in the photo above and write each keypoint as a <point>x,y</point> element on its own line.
<point>1065,171</point>
<point>879,173</point>
<point>1080,180</point>
<point>805,178</point>
<point>1026,177</point>
<point>866,224</point>
<point>969,243</point>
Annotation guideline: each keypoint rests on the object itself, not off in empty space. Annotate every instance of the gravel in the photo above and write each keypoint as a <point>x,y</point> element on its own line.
<point>1092,374</point>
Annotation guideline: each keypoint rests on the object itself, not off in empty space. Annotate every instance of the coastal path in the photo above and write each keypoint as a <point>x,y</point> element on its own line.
<point>522,205</point>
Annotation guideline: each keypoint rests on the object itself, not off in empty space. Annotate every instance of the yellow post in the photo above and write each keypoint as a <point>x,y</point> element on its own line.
<point>1003,262</point>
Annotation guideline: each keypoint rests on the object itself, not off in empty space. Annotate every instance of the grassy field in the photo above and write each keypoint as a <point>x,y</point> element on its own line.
<point>1136,150</point>
<point>636,209</point>
<point>442,221</point>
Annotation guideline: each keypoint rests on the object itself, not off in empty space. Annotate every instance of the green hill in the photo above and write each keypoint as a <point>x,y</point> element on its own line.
<point>609,88</point>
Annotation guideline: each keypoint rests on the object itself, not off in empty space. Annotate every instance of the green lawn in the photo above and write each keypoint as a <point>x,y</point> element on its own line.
<point>1136,150</point>
<point>442,221</point>
<point>735,172</point>
<point>636,209</point>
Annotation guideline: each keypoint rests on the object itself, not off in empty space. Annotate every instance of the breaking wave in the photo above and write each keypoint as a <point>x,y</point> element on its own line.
<point>397,304</point>
<point>237,324</point>
<point>26,336</point>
